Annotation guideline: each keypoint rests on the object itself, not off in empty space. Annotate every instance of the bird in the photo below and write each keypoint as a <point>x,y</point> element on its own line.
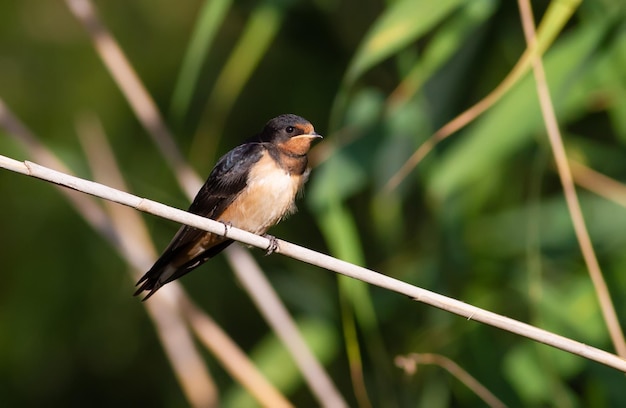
<point>252,187</point>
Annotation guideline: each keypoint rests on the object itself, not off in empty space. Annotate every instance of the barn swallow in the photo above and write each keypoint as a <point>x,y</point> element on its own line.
<point>252,187</point>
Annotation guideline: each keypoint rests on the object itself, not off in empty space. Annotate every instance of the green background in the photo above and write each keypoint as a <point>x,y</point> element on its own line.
<point>482,218</point>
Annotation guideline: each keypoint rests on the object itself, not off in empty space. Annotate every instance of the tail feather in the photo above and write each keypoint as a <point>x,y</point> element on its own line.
<point>146,286</point>
<point>164,271</point>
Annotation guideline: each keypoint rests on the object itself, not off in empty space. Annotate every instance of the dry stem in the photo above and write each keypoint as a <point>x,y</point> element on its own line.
<point>321,260</point>
<point>410,362</point>
<point>147,113</point>
<point>571,198</point>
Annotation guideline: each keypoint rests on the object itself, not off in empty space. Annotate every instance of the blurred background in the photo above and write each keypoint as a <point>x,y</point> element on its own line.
<point>481,218</point>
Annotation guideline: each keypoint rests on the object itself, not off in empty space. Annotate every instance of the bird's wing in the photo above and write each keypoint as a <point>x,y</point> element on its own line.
<point>227,179</point>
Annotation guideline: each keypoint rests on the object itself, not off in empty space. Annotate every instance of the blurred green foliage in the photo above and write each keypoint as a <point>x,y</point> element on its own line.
<point>482,218</point>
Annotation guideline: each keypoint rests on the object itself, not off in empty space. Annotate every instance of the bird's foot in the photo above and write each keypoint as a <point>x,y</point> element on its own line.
<point>273,246</point>
<point>227,226</point>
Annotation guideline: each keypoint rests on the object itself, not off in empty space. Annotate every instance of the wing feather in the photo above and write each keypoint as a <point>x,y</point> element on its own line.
<point>227,179</point>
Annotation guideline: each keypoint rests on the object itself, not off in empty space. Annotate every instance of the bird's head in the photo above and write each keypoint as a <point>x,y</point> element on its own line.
<point>291,133</point>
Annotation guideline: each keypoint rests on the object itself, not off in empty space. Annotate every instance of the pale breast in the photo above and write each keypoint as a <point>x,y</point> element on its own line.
<point>269,196</point>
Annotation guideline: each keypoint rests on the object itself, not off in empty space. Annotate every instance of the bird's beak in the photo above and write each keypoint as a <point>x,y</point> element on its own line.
<point>314,135</point>
<point>311,136</point>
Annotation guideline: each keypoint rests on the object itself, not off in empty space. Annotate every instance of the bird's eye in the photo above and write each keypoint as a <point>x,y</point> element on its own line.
<point>289,129</point>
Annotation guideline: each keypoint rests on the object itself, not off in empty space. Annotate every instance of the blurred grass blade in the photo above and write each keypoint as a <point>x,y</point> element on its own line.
<point>254,42</point>
<point>342,237</point>
<point>402,23</point>
<point>340,232</point>
<point>485,147</point>
<point>557,15</point>
<point>277,365</point>
<point>353,352</point>
<point>210,19</point>
<point>552,23</point>
<point>136,94</point>
<point>338,227</point>
<point>492,139</point>
<point>176,338</point>
<point>615,71</point>
<point>444,44</point>
<point>274,312</point>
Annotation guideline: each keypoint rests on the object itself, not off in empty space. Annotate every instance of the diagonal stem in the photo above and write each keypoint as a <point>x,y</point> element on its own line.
<point>318,259</point>
<point>565,174</point>
<point>136,94</point>
<point>147,113</point>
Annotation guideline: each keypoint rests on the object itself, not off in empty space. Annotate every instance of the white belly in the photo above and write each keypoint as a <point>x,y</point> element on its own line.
<point>268,197</point>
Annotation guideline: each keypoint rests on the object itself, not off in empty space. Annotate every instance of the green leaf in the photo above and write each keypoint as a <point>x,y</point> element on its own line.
<point>402,23</point>
<point>258,35</point>
<point>526,375</point>
<point>211,17</point>
<point>442,45</point>
<point>513,121</point>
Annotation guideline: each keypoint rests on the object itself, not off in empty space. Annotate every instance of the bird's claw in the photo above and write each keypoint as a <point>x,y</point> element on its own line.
<point>227,226</point>
<point>273,246</point>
